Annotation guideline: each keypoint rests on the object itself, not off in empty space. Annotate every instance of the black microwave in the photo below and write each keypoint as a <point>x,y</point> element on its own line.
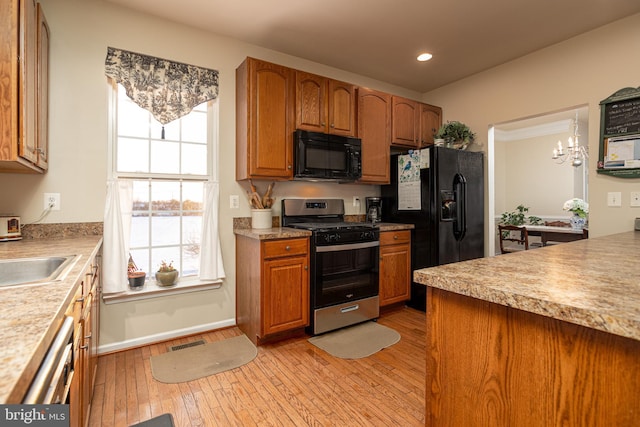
<point>319,156</point>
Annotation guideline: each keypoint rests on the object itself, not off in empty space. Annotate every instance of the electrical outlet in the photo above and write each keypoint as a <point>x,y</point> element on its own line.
<point>614,198</point>
<point>52,201</point>
<point>234,201</point>
<point>634,198</point>
<point>356,201</point>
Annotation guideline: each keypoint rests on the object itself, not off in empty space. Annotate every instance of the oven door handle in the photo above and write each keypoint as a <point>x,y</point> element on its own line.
<point>347,247</point>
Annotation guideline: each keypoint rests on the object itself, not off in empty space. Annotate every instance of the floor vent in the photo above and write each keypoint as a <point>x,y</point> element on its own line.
<point>187,345</point>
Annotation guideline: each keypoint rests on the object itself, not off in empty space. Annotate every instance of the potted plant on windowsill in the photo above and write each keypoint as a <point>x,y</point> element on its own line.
<point>166,275</point>
<point>455,134</point>
<point>135,276</point>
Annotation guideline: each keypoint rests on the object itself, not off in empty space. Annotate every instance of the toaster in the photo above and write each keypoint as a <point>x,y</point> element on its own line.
<point>9,228</point>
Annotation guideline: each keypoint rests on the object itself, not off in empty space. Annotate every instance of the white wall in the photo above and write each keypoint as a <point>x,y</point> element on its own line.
<point>529,176</point>
<point>568,74</point>
<point>581,71</point>
<point>81,30</point>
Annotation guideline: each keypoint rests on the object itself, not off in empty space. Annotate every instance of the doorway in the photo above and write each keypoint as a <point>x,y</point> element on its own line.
<point>521,170</point>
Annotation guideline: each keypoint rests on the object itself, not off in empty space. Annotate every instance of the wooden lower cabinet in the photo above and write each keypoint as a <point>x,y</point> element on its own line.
<point>493,365</point>
<point>395,266</point>
<point>85,309</point>
<point>272,286</point>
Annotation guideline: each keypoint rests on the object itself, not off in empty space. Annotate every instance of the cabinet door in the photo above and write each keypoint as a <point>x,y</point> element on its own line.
<point>342,108</point>
<point>85,357</point>
<point>430,122</point>
<point>311,102</point>
<point>395,267</point>
<point>42,136</point>
<point>264,120</point>
<point>27,148</point>
<point>75,390</point>
<point>405,122</point>
<point>285,302</point>
<point>374,128</point>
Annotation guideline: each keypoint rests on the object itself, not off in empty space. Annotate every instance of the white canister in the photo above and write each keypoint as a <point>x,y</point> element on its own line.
<point>261,218</point>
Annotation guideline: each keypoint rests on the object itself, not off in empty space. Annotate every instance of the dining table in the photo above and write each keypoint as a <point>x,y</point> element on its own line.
<point>550,233</point>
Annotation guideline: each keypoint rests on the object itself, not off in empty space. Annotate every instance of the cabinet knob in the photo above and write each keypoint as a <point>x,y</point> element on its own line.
<point>88,336</point>
<point>287,248</point>
<point>289,167</point>
<point>81,299</point>
<point>323,124</point>
<point>395,237</point>
<point>332,125</point>
<point>306,267</point>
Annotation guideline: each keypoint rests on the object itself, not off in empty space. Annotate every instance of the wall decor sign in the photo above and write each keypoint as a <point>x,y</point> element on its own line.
<point>619,153</point>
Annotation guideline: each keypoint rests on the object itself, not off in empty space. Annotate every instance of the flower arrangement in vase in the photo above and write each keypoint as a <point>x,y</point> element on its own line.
<point>580,210</point>
<point>166,275</point>
<point>135,276</point>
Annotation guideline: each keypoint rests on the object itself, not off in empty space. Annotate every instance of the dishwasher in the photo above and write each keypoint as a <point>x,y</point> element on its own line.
<point>53,379</point>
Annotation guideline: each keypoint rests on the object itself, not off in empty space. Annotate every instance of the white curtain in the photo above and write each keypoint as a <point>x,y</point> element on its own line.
<point>211,267</point>
<point>117,230</point>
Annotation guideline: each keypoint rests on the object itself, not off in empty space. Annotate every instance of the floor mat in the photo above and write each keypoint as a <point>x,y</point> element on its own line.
<point>357,341</point>
<point>203,360</point>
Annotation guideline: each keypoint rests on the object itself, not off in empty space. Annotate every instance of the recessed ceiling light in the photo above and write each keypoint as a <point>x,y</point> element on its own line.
<point>424,57</point>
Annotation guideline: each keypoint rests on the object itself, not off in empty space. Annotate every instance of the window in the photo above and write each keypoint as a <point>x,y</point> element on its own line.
<point>168,166</point>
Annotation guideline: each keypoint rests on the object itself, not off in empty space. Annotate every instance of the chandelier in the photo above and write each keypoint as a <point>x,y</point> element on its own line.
<point>575,153</point>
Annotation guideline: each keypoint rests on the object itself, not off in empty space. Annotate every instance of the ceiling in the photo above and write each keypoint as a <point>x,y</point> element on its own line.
<point>380,39</point>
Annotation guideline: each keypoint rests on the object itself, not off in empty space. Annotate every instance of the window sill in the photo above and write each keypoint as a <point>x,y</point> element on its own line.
<point>151,290</point>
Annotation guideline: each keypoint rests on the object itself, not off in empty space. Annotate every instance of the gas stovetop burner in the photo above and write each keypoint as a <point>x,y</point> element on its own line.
<point>333,226</point>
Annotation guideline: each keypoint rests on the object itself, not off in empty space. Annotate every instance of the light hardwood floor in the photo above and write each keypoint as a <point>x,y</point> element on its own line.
<point>289,383</point>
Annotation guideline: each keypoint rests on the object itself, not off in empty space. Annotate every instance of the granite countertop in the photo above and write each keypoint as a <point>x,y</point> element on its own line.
<point>288,233</point>
<point>592,282</point>
<point>31,315</point>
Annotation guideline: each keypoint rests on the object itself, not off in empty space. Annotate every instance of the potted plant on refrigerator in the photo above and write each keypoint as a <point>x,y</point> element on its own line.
<point>455,134</point>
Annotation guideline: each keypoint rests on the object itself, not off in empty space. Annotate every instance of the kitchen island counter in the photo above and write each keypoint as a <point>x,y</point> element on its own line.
<point>592,282</point>
<point>31,314</point>
<point>549,336</point>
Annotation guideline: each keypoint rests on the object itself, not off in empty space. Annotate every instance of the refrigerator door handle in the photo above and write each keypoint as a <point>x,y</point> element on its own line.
<point>460,197</point>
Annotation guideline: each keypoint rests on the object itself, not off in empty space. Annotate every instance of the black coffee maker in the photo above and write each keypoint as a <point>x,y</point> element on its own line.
<point>374,209</point>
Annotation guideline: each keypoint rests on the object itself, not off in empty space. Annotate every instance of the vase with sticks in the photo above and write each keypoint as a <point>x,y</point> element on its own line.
<point>261,215</point>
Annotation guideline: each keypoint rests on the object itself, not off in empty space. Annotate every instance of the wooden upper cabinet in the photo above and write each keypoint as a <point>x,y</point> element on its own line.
<point>405,125</point>
<point>23,93</point>
<point>430,122</point>
<point>265,95</point>
<point>42,131</point>
<point>374,128</point>
<point>325,105</point>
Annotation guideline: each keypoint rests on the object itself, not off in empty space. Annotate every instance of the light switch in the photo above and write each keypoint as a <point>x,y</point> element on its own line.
<point>635,198</point>
<point>234,201</point>
<point>614,198</point>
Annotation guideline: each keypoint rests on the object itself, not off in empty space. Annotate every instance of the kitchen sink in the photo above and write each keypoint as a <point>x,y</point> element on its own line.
<point>32,271</point>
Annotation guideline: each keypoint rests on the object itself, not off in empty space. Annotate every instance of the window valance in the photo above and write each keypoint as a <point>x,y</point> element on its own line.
<point>167,89</point>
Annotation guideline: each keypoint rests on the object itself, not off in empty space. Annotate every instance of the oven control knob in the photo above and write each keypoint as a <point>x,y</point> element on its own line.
<point>333,237</point>
<point>367,235</point>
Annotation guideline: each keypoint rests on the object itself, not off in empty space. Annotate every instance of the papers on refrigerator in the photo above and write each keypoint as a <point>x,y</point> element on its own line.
<point>409,181</point>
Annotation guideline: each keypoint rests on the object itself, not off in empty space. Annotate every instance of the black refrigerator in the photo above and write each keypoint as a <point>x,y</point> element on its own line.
<point>441,191</point>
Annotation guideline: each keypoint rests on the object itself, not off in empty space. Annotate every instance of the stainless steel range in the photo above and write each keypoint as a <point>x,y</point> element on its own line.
<point>344,263</point>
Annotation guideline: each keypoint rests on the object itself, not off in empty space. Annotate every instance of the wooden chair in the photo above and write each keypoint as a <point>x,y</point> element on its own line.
<point>513,234</point>
<point>557,224</point>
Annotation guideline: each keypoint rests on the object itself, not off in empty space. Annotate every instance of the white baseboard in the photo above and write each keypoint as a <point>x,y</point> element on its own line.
<point>149,339</point>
